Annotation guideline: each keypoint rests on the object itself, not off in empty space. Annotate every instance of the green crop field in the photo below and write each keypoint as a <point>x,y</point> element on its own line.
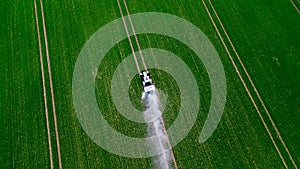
<point>259,127</point>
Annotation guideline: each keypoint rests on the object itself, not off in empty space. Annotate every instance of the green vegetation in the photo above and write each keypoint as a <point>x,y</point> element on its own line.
<point>23,131</point>
<point>265,34</point>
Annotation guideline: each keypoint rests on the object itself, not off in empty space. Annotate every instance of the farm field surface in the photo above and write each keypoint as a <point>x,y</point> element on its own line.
<point>258,43</point>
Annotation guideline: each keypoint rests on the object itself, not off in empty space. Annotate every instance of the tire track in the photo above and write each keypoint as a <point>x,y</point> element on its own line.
<point>141,54</point>
<point>128,37</point>
<point>50,82</point>
<point>44,85</point>
<point>134,33</point>
<point>144,64</point>
<point>254,87</point>
<point>295,6</point>
<point>51,85</point>
<point>245,86</point>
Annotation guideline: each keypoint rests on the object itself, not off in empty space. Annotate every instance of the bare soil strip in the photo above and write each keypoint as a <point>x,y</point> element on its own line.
<point>44,85</point>
<point>246,87</point>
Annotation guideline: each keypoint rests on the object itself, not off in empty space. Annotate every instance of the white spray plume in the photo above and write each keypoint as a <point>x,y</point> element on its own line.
<point>159,140</point>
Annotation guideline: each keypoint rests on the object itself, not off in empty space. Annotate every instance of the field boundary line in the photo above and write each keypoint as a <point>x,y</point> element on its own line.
<point>51,85</point>
<point>44,85</point>
<point>254,87</point>
<point>295,6</point>
<point>245,86</point>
